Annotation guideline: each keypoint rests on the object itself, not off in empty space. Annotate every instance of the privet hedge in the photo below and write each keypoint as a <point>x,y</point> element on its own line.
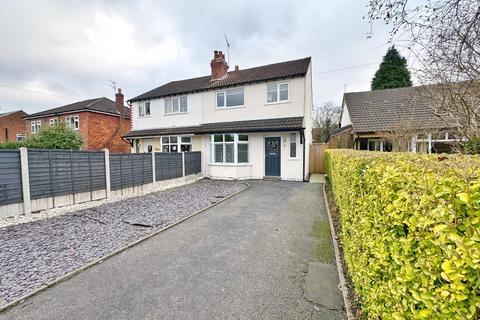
<point>410,232</point>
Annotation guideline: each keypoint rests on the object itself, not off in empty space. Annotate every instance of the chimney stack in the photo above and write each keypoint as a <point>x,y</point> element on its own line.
<point>219,65</point>
<point>119,103</point>
<point>237,67</point>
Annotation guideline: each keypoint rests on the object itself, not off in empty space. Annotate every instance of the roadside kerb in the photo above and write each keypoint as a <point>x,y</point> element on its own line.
<point>341,275</point>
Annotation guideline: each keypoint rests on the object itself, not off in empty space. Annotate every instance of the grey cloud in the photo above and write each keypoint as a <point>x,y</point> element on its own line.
<point>73,47</point>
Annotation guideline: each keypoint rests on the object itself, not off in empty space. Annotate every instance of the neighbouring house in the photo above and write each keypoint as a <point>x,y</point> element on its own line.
<point>12,126</point>
<point>401,118</point>
<point>248,124</point>
<point>101,122</point>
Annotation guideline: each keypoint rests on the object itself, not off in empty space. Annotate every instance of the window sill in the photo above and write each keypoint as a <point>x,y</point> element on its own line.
<point>141,117</point>
<point>229,164</point>
<point>279,102</point>
<point>293,159</point>
<point>174,113</point>
<point>228,108</point>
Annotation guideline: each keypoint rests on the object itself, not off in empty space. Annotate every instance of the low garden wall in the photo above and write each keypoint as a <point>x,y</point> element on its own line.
<point>410,231</point>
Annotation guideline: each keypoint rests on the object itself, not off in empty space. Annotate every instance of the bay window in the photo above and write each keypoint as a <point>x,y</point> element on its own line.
<point>229,148</point>
<point>176,105</point>
<point>176,144</point>
<point>230,98</point>
<point>277,92</point>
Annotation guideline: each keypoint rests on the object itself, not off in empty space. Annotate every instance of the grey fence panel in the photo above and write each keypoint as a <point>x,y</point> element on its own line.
<point>61,172</point>
<point>193,162</point>
<point>10,177</point>
<point>168,166</point>
<point>39,174</point>
<point>128,170</point>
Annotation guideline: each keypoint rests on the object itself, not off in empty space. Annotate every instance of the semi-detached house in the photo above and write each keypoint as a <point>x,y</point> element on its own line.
<point>248,124</point>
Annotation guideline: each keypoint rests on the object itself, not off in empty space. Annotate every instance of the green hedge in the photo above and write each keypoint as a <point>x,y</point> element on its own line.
<point>410,232</point>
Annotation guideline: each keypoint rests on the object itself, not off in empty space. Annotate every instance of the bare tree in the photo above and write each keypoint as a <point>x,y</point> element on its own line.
<point>444,36</point>
<point>326,118</point>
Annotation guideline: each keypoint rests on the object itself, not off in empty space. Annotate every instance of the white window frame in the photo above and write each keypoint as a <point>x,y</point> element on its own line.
<point>75,125</point>
<point>178,144</point>
<point>290,145</point>
<point>375,140</point>
<point>21,136</point>
<point>178,100</point>
<point>35,126</point>
<point>53,121</point>
<point>225,93</point>
<point>236,141</point>
<point>144,109</point>
<point>277,84</point>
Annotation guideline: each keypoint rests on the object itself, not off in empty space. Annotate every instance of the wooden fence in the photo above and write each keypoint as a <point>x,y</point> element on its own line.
<point>317,157</point>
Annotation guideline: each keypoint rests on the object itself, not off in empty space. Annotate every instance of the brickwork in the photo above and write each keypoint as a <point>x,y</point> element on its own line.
<point>12,124</point>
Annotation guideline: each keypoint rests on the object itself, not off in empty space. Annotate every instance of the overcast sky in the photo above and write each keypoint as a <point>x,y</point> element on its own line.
<point>72,48</point>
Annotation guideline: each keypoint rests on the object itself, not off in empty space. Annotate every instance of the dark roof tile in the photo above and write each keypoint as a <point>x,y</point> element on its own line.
<point>280,70</point>
<point>264,125</point>
<point>102,104</point>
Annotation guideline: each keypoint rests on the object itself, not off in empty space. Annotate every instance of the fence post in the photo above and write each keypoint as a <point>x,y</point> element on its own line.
<point>25,180</point>
<point>153,170</point>
<point>183,164</point>
<point>107,173</point>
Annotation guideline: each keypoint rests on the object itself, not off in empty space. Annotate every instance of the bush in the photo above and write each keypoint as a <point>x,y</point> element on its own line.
<point>52,137</point>
<point>473,146</point>
<point>410,230</point>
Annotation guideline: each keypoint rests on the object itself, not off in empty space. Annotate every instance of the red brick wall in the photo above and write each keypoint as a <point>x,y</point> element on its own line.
<point>12,125</point>
<point>98,130</point>
<point>106,131</point>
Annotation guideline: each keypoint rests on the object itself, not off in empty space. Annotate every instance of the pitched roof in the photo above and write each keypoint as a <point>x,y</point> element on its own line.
<point>102,104</point>
<point>11,112</point>
<point>383,110</point>
<point>287,69</point>
<point>264,125</point>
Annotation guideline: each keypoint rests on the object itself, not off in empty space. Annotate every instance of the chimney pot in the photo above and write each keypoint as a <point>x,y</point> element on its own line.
<point>236,67</point>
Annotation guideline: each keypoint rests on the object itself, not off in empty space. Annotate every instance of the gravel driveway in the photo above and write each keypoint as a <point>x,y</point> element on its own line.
<point>32,254</point>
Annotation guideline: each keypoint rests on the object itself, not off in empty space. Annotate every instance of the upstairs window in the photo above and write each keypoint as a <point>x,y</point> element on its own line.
<point>277,92</point>
<point>144,109</point>
<point>73,122</point>
<point>35,125</point>
<point>230,98</point>
<point>176,105</point>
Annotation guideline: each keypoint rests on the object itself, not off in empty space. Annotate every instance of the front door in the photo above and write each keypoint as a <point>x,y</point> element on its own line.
<point>147,145</point>
<point>272,156</point>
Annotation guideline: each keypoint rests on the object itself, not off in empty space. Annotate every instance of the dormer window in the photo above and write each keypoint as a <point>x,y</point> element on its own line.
<point>277,92</point>
<point>176,105</point>
<point>144,109</point>
<point>230,98</point>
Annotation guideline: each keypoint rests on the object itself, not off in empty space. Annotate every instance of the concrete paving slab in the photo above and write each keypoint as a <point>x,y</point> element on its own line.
<point>321,285</point>
<point>317,178</point>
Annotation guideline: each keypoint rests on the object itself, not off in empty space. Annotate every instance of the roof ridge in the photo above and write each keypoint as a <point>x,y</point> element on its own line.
<point>96,100</point>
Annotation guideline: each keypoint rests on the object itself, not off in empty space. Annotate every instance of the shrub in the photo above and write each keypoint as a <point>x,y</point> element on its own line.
<point>410,230</point>
<point>52,137</point>
<point>473,146</point>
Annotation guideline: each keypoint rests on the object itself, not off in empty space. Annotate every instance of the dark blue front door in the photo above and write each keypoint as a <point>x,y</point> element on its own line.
<point>272,156</point>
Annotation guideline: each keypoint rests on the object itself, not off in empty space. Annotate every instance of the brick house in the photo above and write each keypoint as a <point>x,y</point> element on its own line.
<point>101,122</point>
<point>12,126</point>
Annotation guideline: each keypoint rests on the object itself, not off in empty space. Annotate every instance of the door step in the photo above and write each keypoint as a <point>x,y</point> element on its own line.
<point>272,178</point>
